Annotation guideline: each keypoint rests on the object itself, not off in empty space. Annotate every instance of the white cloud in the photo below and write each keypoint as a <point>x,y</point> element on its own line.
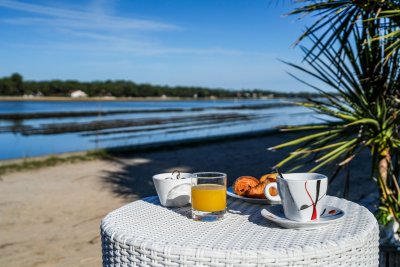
<point>92,29</point>
<point>85,19</point>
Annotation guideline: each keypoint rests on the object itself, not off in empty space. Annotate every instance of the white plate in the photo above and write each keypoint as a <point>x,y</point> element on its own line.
<point>230,193</point>
<point>329,215</point>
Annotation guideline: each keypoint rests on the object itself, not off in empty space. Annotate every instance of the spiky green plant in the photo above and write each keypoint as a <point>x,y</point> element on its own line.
<point>364,104</point>
<point>337,18</point>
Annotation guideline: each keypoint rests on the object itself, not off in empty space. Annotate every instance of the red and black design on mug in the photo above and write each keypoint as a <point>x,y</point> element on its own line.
<point>302,195</point>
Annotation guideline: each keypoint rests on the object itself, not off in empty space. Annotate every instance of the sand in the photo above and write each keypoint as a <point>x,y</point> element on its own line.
<point>51,216</point>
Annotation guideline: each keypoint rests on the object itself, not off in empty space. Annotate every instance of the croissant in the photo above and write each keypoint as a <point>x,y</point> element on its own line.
<point>243,184</point>
<point>271,177</point>
<point>257,191</point>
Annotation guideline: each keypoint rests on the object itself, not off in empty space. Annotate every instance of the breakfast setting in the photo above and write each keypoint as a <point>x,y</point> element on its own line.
<point>290,200</point>
<point>275,219</point>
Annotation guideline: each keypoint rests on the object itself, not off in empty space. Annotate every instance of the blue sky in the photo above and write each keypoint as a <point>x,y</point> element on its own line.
<point>232,44</point>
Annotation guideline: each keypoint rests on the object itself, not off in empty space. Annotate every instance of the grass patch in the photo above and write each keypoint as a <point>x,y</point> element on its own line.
<point>52,161</point>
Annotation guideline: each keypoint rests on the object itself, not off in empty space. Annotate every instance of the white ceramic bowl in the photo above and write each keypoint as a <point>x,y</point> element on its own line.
<point>173,192</point>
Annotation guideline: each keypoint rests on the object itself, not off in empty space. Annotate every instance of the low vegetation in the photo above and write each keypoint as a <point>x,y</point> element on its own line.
<point>15,85</point>
<point>31,164</point>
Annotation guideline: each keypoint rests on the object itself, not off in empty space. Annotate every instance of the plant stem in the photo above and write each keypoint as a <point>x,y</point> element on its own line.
<point>387,193</point>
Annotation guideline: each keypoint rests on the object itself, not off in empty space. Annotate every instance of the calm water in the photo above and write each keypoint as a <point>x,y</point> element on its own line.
<point>23,138</point>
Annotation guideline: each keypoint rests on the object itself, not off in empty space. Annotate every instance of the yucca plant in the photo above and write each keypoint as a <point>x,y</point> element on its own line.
<point>363,109</point>
<point>337,18</point>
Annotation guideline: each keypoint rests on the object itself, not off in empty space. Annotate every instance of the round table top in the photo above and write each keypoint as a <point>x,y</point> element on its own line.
<point>146,223</point>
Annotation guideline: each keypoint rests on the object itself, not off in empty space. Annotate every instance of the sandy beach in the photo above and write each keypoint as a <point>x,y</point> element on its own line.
<point>51,216</point>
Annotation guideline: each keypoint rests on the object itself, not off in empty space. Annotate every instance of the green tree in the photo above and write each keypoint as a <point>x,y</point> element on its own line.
<point>17,83</point>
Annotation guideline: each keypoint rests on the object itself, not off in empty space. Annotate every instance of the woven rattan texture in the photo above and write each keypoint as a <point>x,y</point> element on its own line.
<point>144,233</point>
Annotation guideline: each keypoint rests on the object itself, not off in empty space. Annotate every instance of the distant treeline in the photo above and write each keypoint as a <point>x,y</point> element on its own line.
<point>14,85</point>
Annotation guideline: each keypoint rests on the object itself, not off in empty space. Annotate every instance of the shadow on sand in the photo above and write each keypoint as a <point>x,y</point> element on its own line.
<point>247,156</point>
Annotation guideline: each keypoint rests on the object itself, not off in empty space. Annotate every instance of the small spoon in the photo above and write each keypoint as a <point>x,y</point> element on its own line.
<point>279,173</point>
<point>178,176</point>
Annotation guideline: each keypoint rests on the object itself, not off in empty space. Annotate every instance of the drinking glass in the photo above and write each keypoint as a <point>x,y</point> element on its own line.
<point>208,196</point>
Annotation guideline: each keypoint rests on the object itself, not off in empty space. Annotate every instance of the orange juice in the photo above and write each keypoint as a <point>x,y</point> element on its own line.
<point>209,197</point>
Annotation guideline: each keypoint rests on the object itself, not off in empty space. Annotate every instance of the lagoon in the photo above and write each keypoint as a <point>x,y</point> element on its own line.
<point>39,128</point>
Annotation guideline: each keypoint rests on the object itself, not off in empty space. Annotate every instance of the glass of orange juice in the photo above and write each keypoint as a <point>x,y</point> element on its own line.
<point>208,196</point>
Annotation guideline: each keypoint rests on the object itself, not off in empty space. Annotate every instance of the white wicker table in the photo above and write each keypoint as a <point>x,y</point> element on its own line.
<point>144,233</point>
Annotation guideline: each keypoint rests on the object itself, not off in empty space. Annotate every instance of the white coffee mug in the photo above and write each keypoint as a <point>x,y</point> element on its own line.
<point>302,195</point>
<point>173,190</point>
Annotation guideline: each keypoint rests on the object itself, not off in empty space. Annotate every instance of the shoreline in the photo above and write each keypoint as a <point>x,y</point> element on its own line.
<point>83,99</point>
<point>120,99</point>
<point>42,161</point>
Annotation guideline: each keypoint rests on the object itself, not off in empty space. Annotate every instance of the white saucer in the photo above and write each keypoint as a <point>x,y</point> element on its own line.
<point>329,215</point>
<point>230,193</point>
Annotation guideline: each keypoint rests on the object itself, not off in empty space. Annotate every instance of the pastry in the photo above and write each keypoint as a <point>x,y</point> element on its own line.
<point>252,187</point>
<point>271,177</point>
<point>243,184</point>
<point>273,191</point>
<point>257,191</point>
